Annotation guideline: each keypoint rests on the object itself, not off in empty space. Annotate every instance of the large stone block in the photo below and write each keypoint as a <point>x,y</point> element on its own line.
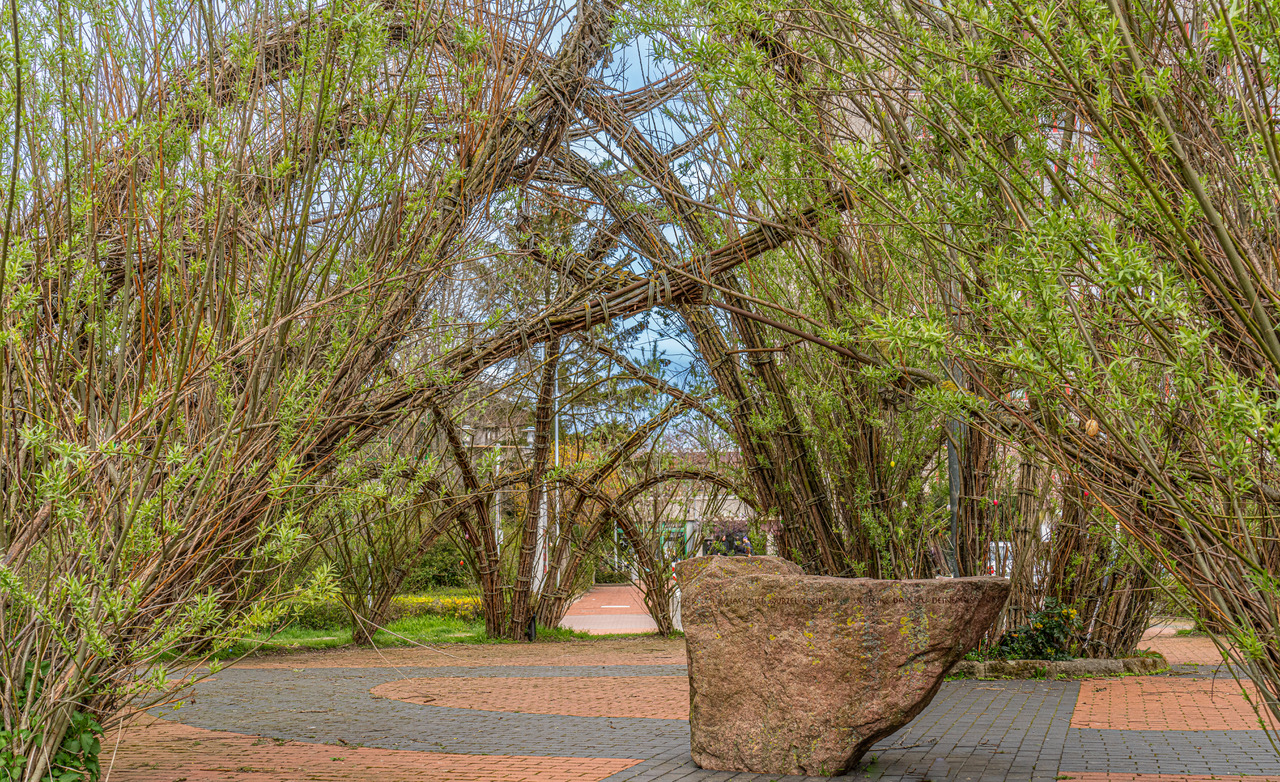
<point>796,674</point>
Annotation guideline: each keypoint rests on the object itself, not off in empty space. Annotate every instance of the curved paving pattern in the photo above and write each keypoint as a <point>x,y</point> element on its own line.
<point>649,697</point>
<point>974,731</point>
<point>335,706</point>
<point>166,751</point>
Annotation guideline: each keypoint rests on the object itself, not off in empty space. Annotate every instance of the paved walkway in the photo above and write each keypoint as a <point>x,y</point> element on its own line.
<point>610,608</point>
<point>545,713</point>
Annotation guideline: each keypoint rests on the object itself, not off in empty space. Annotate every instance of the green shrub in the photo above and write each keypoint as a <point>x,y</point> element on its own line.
<point>443,565</point>
<point>1046,635</point>
<point>331,613</point>
<point>607,575</point>
<point>77,757</point>
<point>323,615</point>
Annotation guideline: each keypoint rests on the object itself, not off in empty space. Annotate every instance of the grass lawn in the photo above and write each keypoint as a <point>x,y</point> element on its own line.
<point>409,631</point>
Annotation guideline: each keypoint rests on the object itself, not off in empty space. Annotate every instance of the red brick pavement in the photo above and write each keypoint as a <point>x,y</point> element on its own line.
<point>1189,650</point>
<point>639,651</point>
<point>1160,703</point>
<point>1167,626</point>
<point>168,752</point>
<point>1108,777</point>
<point>151,750</point>
<point>657,697</point>
<point>610,600</point>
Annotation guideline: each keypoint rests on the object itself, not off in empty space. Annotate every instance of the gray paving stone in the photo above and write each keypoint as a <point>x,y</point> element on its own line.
<point>973,731</point>
<point>1231,752</point>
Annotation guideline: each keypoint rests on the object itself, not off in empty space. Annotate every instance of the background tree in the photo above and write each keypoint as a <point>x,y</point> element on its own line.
<point>216,246</point>
<point>1092,188</point>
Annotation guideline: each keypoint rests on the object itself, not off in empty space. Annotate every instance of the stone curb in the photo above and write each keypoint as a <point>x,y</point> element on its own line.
<point>1041,669</point>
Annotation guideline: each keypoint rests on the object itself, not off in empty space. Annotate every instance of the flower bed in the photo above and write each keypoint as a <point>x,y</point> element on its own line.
<point>332,613</point>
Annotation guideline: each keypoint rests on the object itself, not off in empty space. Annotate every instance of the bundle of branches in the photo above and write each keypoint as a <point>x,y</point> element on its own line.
<point>1108,580</point>
<point>217,249</point>
<point>385,507</point>
<point>1088,232</point>
<point>225,244</point>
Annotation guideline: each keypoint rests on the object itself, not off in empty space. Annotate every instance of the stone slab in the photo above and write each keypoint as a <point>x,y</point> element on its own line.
<point>798,674</point>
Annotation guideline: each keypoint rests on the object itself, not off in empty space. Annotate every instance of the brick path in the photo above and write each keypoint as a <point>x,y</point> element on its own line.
<point>631,651</point>
<point>648,697</point>
<point>610,600</point>
<point>1165,703</point>
<point>1185,650</point>
<point>610,608</point>
<point>543,713</point>
<point>167,751</point>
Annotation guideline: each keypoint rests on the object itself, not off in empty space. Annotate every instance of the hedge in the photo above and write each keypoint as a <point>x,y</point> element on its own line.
<point>331,613</point>
<point>609,576</point>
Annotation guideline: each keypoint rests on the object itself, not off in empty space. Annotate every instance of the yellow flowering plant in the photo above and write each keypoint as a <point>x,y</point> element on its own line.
<point>1049,634</point>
